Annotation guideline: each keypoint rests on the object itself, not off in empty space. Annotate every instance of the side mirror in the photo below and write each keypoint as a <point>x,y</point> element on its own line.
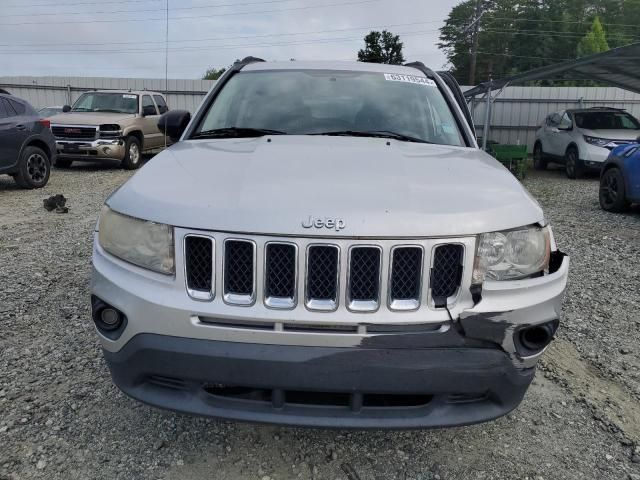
<point>66,108</point>
<point>148,110</point>
<point>174,123</point>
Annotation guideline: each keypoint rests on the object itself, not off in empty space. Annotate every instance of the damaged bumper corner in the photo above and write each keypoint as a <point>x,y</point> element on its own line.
<point>509,307</point>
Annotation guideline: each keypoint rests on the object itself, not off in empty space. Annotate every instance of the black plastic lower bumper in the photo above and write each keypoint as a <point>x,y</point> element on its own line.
<point>320,386</point>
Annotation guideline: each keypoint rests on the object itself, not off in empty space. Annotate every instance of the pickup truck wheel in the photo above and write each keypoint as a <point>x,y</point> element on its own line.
<point>62,163</point>
<point>573,167</point>
<point>612,191</point>
<point>34,168</point>
<point>539,161</point>
<point>132,154</point>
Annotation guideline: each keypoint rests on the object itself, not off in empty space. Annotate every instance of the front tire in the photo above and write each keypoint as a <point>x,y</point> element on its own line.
<point>132,154</point>
<point>612,191</point>
<point>539,160</point>
<point>572,164</point>
<point>34,168</point>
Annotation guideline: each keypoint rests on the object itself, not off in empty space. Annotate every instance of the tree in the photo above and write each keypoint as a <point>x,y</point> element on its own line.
<point>595,41</point>
<point>382,47</point>
<point>213,74</point>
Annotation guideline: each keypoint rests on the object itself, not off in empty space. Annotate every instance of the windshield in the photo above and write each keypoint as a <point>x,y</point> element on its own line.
<point>107,102</point>
<point>606,121</point>
<point>306,102</point>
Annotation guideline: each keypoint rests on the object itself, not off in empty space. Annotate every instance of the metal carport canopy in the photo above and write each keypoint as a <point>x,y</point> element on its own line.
<point>619,67</point>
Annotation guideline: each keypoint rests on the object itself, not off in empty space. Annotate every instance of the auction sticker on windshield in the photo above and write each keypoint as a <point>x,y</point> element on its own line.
<point>397,77</point>
<point>128,96</point>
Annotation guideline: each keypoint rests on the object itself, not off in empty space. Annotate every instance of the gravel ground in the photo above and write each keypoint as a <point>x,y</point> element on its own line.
<point>61,417</point>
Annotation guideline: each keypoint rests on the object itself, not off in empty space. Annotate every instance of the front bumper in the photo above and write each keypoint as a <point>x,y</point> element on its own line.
<point>320,386</point>
<point>113,149</point>
<point>467,370</point>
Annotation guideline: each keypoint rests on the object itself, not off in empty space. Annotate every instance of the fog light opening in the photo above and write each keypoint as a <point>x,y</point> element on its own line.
<point>537,337</point>
<point>110,317</point>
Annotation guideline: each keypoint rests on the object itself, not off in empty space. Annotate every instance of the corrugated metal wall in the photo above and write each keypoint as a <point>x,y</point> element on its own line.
<point>518,111</point>
<point>515,115</point>
<point>50,91</point>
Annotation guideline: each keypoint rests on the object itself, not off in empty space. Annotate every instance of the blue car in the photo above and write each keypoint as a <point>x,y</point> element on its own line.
<point>620,178</point>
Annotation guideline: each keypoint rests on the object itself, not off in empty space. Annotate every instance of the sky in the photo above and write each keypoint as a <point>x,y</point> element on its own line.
<point>118,38</point>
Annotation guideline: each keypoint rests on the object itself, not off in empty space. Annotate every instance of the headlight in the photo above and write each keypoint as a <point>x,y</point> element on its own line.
<point>512,254</point>
<point>143,243</point>
<point>599,142</point>
<point>110,130</point>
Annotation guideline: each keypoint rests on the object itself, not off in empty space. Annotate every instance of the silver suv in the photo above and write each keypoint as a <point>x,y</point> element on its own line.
<point>325,245</point>
<point>582,139</point>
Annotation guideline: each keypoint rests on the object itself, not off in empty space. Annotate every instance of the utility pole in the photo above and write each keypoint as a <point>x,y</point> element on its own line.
<point>474,48</point>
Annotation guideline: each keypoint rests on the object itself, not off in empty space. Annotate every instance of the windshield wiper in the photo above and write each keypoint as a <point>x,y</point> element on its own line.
<point>373,133</point>
<point>236,132</point>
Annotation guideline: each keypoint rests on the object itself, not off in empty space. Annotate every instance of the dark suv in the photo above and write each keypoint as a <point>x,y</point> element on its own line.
<point>27,146</point>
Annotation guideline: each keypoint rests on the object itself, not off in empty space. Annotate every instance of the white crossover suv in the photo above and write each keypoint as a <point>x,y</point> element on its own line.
<point>325,245</point>
<point>582,139</point>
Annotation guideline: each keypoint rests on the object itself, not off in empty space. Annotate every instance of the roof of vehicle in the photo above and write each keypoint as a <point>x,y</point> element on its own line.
<point>595,109</point>
<point>334,65</point>
<point>132,92</point>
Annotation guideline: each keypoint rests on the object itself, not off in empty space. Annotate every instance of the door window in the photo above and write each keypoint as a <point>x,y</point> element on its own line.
<point>147,104</point>
<point>3,112</point>
<point>565,122</point>
<point>162,105</point>
<point>9,108</point>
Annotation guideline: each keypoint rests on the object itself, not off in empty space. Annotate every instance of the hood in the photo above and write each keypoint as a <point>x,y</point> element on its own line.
<point>376,188</point>
<point>622,134</point>
<point>89,118</point>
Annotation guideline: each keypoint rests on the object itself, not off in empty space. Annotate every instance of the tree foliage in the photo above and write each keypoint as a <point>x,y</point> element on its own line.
<point>595,41</point>
<point>519,35</point>
<point>213,73</point>
<point>382,47</point>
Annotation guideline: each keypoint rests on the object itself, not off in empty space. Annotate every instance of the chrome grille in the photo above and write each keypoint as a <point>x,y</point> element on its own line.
<point>446,273</point>
<point>364,278</point>
<point>239,278</point>
<point>70,131</point>
<point>406,276</point>
<point>276,272</point>
<point>280,275</point>
<point>199,266</point>
<point>322,277</point>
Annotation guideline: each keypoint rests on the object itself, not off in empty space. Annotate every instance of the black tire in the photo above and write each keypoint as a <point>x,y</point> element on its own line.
<point>132,154</point>
<point>62,162</point>
<point>34,168</point>
<point>572,164</point>
<point>612,191</point>
<point>539,160</point>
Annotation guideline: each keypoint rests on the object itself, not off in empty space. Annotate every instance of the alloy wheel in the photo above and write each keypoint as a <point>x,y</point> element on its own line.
<point>609,188</point>
<point>37,168</point>
<point>134,153</point>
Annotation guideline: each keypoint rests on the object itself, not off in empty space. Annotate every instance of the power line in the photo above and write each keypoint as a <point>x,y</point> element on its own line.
<point>58,4</point>
<point>207,47</point>
<point>359,2</point>
<point>527,56</point>
<point>561,21</point>
<point>109,12</point>
<point>237,37</point>
<point>547,33</point>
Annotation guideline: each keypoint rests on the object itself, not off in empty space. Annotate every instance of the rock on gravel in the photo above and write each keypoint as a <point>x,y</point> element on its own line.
<point>61,417</point>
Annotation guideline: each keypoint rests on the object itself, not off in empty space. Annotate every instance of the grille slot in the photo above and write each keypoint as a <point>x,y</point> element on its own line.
<point>405,278</point>
<point>322,277</point>
<point>239,272</point>
<point>364,278</point>
<point>446,273</point>
<point>199,266</point>
<point>83,133</point>
<point>280,275</point>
